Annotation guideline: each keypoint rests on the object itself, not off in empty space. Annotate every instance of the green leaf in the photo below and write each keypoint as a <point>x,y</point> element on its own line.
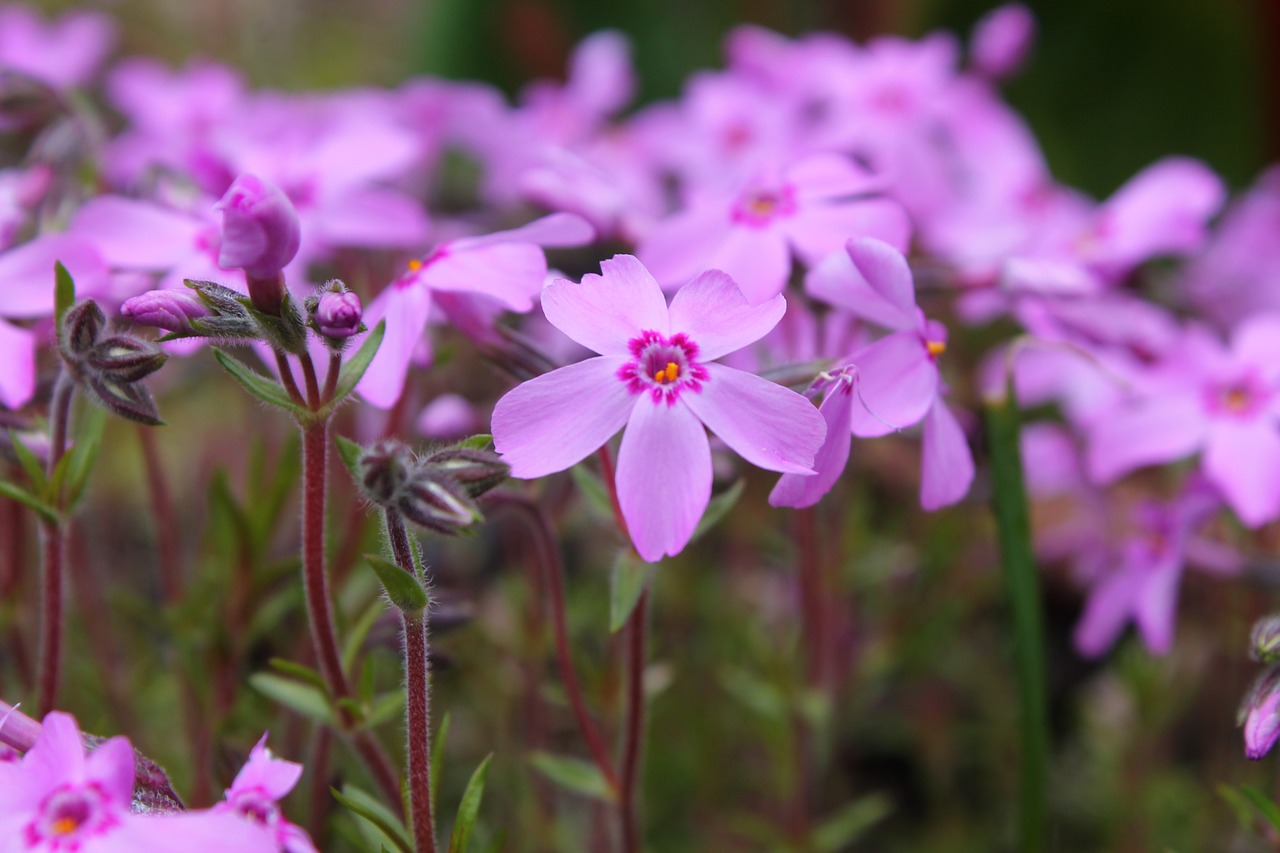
<point>593,491</point>
<point>718,508</point>
<point>266,390</point>
<point>1247,798</point>
<point>755,693</point>
<point>469,809</point>
<point>477,442</point>
<point>576,775</point>
<point>376,813</point>
<point>437,757</point>
<point>79,461</point>
<point>349,452</point>
<point>299,672</point>
<point>360,631</point>
<point>631,576</point>
<point>840,831</point>
<point>64,290</point>
<point>31,464</point>
<point>30,501</point>
<point>388,706</point>
<point>354,368</point>
<point>404,590</point>
<point>299,696</point>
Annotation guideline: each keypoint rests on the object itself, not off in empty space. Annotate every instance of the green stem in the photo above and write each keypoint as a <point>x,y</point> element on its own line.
<point>1014,531</point>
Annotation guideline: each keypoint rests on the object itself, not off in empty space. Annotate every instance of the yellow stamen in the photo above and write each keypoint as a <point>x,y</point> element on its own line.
<point>414,265</point>
<point>936,348</point>
<point>65,826</point>
<point>673,371</point>
<point>1236,399</point>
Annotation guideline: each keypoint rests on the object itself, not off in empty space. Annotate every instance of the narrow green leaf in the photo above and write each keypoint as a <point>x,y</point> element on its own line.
<point>266,390</point>
<point>64,290</point>
<point>577,775</point>
<point>31,464</point>
<point>477,442</point>
<point>299,672</point>
<point>404,590</point>
<point>360,631</point>
<point>349,452</point>
<point>297,695</point>
<point>1022,583</point>
<point>469,809</point>
<point>388,706</point>
<point>30,501</point>
<point>376,813</point>
<point>631,576</point>
<point>756,693</point>
<point>437,757</point>
<point>79,461</point>
<point>593,491</point>
<point>354,368</point>
<point>1264,805</point>
<point>845,827</point>
<point>719,508</point>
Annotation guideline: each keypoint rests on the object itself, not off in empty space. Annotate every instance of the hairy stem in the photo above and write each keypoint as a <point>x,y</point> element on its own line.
<point>53,548</point>
<point>637,629</point>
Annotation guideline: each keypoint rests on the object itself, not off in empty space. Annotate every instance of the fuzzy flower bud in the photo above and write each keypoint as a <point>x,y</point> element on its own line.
<point>476,471</point>
<point>1264,641</point>
<point>80,328</point>
<point>171,310</point>
<point>1001,41</point>
<point>1260,715</point>
<point>261,235</point>
<point>125,359</point>
<point>338,314</point>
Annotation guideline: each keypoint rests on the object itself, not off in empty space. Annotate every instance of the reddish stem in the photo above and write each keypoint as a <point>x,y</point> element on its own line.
<point>309,376</point>
<point>53,546</point>
<point>166,522</point>
<point>286,377</point>
<point>637,640</point>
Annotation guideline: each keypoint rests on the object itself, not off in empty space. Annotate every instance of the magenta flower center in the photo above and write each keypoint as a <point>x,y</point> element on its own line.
<point>1241,398</point>
<point>663,366</point>
<point>256,807</point>
<point>758,207</point>
<point>69,816</point>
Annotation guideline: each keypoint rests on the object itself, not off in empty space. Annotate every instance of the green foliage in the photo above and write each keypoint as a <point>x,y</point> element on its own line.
<point>573,774</point>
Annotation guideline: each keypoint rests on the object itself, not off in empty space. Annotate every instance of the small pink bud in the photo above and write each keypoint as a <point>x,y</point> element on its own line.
<point>1262,725</point>
<point>260,234</point>
<point>171,310</point>
<point>338,314</point>
<point>1001,41</point>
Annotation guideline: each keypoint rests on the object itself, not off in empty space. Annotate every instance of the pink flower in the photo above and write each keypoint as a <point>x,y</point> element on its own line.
<point>57,799</point>
<point>656,376</point>
<point>1001,40</point>
<point>62,53</point>
<point>1262,720</point>
<point>895,379</point>
<point>258,787</point>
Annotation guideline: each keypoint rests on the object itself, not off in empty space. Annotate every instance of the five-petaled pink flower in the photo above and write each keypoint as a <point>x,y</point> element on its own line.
<point>655,375</point>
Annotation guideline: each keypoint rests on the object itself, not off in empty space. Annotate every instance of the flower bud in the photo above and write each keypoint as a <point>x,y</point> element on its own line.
<point>384,471</point>
<point>171,310</point>
<point>437,503</point>
<point>1001,41</point>
<point>126,359</point>
<point>1260,715</point>
<point>261,235</point>
<point>338,314</point>
<point>81,326</point>
<point>476,471</point>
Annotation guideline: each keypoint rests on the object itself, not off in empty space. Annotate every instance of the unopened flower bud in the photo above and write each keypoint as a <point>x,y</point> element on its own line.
<point>261,235</point>
<point>126,359</point>
<point>338,314</point>
<point>1001,41</point>
<point>1260,716</point>
<point>384,471</point>
<point>81,326</point>
<point>171,310</point>
<point>437,503</point>
<point>1264,642</point>
<point>476,471</point>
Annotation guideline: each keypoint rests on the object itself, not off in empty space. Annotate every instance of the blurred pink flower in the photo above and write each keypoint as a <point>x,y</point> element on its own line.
<point>255,793</point>
<point>62,53</point>
<point>1001,40</point>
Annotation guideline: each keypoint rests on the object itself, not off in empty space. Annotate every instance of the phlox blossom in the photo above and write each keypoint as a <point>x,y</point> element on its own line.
<point>656,377</point>
<point>258,787</point>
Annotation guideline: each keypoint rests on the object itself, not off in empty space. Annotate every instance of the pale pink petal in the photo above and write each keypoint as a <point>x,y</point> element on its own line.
<point>802,490</point>
<point>204,831</point>
<point>18,355</point>
<point>1109,606</point>
<point>1256,342</point>
<point>370,217</point>
<point>869,278</point>
<point>819,230</point>
<point>555,421</point>
<point>111,764</point>
<point>1148,432</point>
<point>1050,277</point>
<point>946,465</point>
<point>58,754</point>
<point>1242,459</point>
<point>896,384</point>
<point>601,78</point>
<point>406,310</point>
<point>715,314</point>
<point>824,176</point>
<point>1157,607</point>
<point>26,274</point>
<point>678,248</point>
<point>137,234</point>
<point>512,273</point>
<point>604,312</point>
<point>770,426</point>
<point>275,777</point>
<point>757,258</point>
<point>664,477</point>
<point>554,231</point>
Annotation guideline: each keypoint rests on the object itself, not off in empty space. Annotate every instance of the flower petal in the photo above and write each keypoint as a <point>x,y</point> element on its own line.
<point>817,231</point>
<point>512,273</point>
<point>1110,603</point>
<point>1150,431</point>
<point>136,234</point>
<point>946,466</point>
<point>802,490</point>
<point>604,312</point>
<point>1242,459</point>
<point>664,477</point>
<point>897,383</point>
<point>554,421</point>
<point>558,229</point>
<point>1156,609</point>
<point>871,279</point>
<point>770,426</point>
<point>406,310</point>
<point>111,764</point>
<point>18,355</point>
<point>715,314</point>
